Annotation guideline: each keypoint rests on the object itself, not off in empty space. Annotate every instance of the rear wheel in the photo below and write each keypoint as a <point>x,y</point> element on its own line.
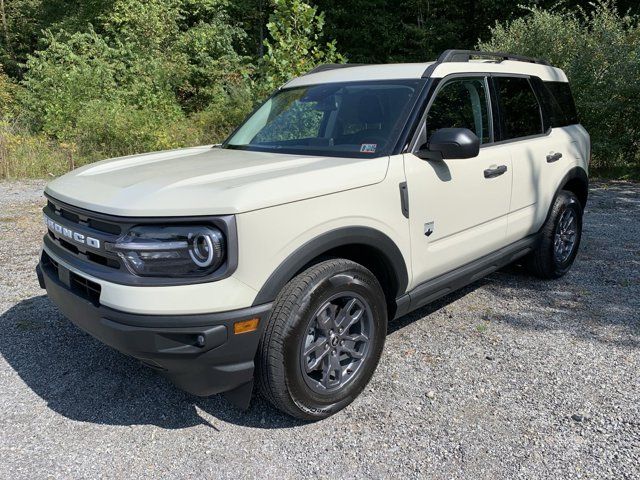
<point>323,340</point>
<point>561,235</point>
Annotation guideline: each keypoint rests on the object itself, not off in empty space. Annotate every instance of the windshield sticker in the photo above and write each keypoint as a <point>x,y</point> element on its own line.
<point>368,147</point>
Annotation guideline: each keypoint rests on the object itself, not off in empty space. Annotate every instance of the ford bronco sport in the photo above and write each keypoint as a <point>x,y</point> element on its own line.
<point>353,195</point>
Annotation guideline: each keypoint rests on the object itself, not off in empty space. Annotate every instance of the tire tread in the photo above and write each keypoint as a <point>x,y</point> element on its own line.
<point>540,262</point>
<point>270,375</point>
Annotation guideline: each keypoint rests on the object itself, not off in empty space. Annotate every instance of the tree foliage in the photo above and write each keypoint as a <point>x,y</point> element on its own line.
<point>87,79</point>
<point>381,31</point>
<point>129,83</point>
<point>295,46</point>
<point>600,52</point>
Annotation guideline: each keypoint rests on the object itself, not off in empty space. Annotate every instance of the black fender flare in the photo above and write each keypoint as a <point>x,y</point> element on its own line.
<point>576,173</point>
<point>341,237</point>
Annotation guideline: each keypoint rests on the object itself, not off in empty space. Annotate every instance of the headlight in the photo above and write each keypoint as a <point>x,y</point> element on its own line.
<point>173,251</point>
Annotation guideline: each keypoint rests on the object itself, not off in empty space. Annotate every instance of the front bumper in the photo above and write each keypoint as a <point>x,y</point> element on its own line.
<point>168,343</point>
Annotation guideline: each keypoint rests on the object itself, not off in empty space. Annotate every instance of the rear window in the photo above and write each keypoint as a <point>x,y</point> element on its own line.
<point>559,105</point>
<point>519,109</point>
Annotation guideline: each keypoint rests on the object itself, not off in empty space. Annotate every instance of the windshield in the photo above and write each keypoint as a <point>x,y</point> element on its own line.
<point>355,119</point>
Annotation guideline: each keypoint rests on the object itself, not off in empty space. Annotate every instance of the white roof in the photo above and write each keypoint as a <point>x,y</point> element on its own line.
<point>397,71</point>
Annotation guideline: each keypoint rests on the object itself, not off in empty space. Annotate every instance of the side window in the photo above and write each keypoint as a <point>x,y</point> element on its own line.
<point>562,108</point>
<point>461,103</point>
<point>519,108</point>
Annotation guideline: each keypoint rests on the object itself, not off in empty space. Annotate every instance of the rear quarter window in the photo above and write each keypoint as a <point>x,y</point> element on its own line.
<point>558,103</point>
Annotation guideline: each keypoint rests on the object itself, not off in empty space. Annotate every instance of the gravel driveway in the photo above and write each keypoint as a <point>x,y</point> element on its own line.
<point>510,378</point>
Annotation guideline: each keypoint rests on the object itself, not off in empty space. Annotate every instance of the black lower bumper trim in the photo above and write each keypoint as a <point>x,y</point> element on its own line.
<point>40,276</point>
<point>199,353</point>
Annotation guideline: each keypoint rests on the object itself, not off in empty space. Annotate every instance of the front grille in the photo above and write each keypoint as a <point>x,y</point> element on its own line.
<point>68,215</point>
<point>103,260</point>
<point>69,246</point>
<point>86,220</point>
<point>106,227</point>
<point>86,223</point>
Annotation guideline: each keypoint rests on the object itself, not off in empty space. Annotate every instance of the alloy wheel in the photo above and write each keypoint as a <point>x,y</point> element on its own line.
<point>337,342</point>
<point>566,235</point>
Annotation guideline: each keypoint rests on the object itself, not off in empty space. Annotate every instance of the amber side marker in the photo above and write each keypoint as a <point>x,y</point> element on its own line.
<point>246,326</point>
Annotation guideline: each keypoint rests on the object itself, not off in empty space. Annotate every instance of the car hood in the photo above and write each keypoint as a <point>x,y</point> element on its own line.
<point>209,181</point>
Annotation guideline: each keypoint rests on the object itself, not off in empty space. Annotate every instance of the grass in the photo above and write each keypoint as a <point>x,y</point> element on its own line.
<point>482,327</point>
<point>33,156</point>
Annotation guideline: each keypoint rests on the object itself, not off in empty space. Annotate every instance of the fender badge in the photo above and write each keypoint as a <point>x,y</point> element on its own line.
<point>428,228</point>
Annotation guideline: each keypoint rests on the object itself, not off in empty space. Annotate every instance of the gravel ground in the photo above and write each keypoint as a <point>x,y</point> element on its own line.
<point>509,378</point>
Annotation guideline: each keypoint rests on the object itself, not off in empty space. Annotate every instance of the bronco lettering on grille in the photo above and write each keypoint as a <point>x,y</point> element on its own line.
<point>70,234</point>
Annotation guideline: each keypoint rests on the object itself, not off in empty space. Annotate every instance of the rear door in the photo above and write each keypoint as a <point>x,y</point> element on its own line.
<point>539,153</point>
<point>458,208</point>
<point>566,140</point>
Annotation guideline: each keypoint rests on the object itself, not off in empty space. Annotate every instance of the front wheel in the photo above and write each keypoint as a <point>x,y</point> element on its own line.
<point>560,238</point>
<point>323,340</point>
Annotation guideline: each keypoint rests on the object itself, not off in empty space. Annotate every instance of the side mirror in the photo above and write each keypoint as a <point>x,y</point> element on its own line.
<point>450,143</point>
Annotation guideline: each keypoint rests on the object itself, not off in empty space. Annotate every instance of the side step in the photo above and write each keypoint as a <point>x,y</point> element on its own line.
<point>460,277</point>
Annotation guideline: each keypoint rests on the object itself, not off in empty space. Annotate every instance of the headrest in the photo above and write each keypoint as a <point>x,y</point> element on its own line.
<point>370,109</point>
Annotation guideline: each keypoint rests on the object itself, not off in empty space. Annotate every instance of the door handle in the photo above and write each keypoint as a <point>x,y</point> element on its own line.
<point>495,172</point>
<point>553,157</point>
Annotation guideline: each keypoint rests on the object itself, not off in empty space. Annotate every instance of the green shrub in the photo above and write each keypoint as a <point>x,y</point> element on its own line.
<point>226,110</point>
<point>294,48</point>
<point>600,53</point>
<point>70,72</point>
<point>112,128</point>
<point>7,96</point>
<point>145,76</point>
<point>129,84</point>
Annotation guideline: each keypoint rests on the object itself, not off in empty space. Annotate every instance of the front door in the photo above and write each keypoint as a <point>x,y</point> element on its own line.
<point>458,208</point>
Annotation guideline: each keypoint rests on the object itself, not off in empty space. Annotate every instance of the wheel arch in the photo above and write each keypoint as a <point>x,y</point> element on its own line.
<point>364,245</point>
<point>577,182</point>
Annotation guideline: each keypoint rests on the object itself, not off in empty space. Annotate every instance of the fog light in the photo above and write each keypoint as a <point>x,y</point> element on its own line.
<point>246,326</point>
<point>200,340</point>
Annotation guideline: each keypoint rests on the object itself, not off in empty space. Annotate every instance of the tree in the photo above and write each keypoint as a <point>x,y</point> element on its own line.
<point>380,31</point>
<point>600,52</point>
<point>24,20</point>
<point>252,16</point>
<point>129,83</point>
<point>295,46</point>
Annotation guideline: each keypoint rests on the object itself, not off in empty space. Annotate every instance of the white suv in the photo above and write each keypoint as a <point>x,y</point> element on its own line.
<point>352,196</point>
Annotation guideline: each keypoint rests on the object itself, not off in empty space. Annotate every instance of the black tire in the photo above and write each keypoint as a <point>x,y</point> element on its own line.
<point>280,364</point>
<point>544,262</point>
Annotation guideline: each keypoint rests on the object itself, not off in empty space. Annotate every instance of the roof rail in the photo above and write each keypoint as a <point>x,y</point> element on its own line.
<point>332,66</point>
<point>449,56</point>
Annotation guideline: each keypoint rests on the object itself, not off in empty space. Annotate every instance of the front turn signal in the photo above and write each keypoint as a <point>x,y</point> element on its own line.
<point>246,326</point>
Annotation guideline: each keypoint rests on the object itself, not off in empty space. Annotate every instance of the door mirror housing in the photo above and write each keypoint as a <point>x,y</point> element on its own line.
<point>449,144</point>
